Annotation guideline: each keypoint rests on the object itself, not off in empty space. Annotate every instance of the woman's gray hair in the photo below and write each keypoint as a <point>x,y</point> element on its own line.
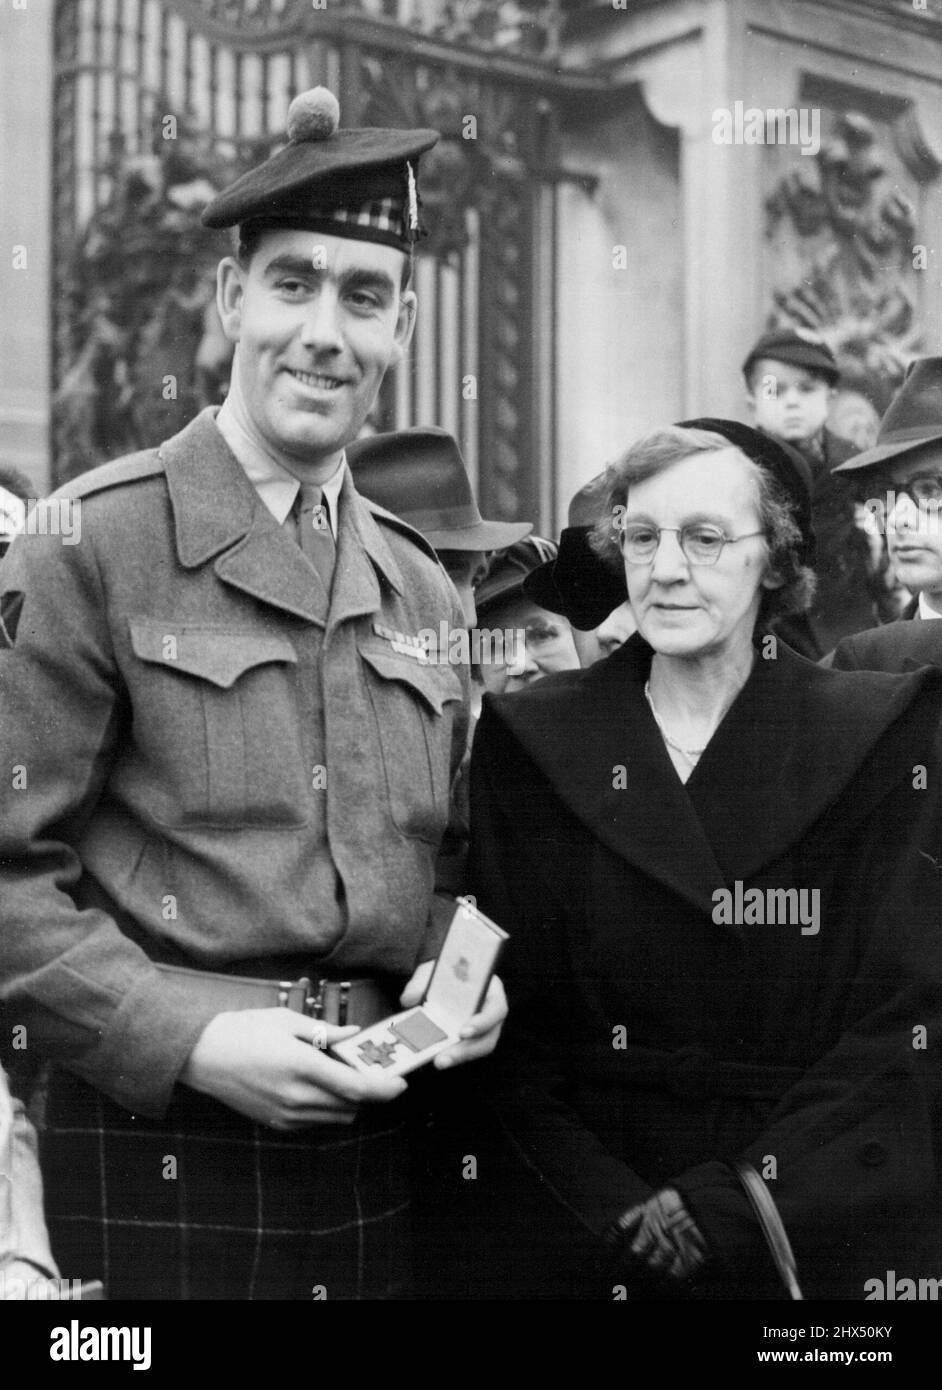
<point>658,450</point>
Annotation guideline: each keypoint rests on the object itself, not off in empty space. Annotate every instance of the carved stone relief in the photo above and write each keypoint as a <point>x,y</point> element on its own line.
<point>842,239</point>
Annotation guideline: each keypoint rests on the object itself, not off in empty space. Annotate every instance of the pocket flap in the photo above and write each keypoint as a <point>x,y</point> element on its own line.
<point>216,654</point>
<point>436,684</point>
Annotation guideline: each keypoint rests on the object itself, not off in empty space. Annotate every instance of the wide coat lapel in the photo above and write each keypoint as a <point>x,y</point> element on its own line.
<point>218,514</point>
<point>593,737</point>
<point>790,743</point>
<point>363,554</point>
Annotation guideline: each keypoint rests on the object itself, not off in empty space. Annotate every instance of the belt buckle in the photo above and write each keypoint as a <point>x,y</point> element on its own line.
<point>289,988</point>
<point>314,1000</point>
<point>329,996</point>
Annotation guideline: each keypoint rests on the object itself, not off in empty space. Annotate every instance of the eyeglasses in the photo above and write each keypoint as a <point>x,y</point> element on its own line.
<point>701,543</point>
<point>925,491</point>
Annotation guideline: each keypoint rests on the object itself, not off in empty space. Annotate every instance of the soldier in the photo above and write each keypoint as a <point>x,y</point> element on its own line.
<point>235,776</point>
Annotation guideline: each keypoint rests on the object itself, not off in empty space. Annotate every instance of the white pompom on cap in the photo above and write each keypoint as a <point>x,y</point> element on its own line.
<point>313,115</point>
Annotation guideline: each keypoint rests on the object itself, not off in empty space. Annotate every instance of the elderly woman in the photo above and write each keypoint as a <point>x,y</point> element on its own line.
<point>720,868</point>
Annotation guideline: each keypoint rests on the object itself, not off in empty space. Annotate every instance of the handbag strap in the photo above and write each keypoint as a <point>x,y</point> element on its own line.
<point>772,1227</point>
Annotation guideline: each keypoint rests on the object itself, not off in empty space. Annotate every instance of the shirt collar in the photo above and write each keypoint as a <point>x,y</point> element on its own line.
<point>276,487</point>
<point>924,610</point>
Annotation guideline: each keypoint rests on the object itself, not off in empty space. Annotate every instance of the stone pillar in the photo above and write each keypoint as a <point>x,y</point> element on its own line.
<point>26,67</point>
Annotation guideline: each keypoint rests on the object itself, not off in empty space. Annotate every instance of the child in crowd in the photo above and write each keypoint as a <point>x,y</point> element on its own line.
<point>791,375</point>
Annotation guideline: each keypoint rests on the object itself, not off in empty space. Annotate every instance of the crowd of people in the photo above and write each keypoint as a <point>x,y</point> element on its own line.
<point>289,694</point>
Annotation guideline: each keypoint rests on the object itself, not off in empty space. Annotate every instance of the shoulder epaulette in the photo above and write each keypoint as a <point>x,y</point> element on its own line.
<point>130,469</point>
<point>397,523</point>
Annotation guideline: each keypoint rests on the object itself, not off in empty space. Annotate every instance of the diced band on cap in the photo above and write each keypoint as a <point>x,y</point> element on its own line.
<point>356,183</point>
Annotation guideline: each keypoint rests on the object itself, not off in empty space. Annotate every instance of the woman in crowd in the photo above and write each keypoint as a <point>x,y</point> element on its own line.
<point>719,865</point>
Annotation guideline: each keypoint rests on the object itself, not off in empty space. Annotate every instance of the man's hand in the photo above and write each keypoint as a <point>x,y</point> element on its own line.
<point>480,1033</point>
<point>270,1065</point>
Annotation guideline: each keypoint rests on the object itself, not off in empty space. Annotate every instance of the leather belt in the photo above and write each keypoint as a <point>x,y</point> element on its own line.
<point>360,1002</point>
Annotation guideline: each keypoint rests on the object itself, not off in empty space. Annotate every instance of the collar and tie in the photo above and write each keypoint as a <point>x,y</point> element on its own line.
<point>315,537</point>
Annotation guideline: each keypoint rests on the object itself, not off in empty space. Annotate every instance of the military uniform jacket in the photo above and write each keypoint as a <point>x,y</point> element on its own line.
<point>220,768</point>
<point>649,1041</point>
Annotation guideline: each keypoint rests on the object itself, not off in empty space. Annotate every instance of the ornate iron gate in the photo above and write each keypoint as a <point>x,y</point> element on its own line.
<point>157,99</point>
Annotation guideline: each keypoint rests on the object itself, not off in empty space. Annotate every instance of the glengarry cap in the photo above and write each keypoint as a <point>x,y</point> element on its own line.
<point>350,183</point>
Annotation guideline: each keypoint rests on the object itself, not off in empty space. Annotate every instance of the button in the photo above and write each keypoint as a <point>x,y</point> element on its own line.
<point>872,1154</point>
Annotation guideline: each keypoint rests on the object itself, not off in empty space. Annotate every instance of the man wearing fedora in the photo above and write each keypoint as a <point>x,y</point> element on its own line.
<point>420,475</point>
<point>218,855</point>
<point>902,477</point>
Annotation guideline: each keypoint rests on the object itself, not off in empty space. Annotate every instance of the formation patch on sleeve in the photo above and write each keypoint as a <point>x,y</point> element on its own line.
<point>11,606</point>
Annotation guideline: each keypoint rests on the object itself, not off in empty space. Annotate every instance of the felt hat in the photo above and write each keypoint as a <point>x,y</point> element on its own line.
<point>577,583</point>
<point>358,183</point>
<point>912,420</point>
<point>789,468</point>
<point>505,578</point>
<point>420,475</point>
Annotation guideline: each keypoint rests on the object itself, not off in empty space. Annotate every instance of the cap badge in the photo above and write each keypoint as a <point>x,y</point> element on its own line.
<point>413,200</point>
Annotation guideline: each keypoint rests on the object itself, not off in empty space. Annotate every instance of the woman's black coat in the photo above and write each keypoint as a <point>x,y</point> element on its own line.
<point>649,1043</point>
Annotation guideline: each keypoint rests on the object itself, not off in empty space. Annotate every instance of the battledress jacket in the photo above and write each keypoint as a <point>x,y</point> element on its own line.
<point>219,768</point>
<point>652,1040</point>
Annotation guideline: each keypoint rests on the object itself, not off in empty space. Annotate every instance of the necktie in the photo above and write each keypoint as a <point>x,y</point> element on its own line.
<point>314,534</point>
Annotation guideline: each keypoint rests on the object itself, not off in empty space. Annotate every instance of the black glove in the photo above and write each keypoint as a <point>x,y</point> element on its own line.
<point>660,1238</point>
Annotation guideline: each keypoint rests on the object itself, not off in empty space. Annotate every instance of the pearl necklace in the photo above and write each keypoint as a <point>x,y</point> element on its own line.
<point>691,754</point>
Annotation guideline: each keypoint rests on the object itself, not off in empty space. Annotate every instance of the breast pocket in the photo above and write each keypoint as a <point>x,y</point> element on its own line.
<point>413,706</point>
<point>216,717</point>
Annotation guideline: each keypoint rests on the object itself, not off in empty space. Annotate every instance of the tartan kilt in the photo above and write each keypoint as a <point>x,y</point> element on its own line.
<point>244,1212</point>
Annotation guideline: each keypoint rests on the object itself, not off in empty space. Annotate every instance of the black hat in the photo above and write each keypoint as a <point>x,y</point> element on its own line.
<point>420,475</point>
<point>799,347</point>
<point>577,584</point>
<point>790,469</point>
<point>912,420</point>
<point>505,578</point>
<point>349,183</point>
